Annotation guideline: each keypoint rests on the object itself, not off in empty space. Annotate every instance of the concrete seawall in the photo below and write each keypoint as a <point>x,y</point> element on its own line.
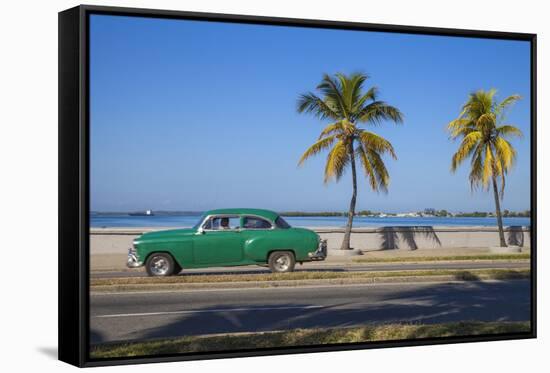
<point>118,240</point>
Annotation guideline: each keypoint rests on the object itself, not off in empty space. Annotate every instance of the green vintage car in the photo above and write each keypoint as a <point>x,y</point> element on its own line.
<point>227,237</point>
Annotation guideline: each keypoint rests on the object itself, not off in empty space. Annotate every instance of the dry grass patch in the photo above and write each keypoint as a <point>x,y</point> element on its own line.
<point>305,337</point>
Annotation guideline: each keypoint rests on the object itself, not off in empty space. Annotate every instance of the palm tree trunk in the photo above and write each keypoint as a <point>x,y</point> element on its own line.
<point>351,213</point>
<point>499,214</point>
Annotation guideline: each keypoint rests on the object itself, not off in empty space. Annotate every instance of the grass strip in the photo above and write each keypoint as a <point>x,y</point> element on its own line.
<point>304,337</point>
<point>493,257</point>
<point>458,274</point>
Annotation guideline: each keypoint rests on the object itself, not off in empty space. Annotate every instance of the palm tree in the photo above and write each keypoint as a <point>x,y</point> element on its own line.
<point>344,103</point>
<point>484,139</point>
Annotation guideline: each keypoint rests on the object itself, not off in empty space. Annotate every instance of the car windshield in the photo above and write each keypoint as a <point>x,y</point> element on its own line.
<point>196,226</point>
<point>281,223</point>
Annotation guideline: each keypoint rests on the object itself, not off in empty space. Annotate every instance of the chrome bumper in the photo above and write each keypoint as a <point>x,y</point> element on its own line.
<point>320,253</point>
<point>133,261</point>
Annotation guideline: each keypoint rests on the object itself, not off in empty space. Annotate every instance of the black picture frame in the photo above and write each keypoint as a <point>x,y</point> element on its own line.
<point>74,225</point>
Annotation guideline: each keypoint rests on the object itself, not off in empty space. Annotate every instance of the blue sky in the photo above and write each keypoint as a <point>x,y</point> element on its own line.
<point>190,115</point>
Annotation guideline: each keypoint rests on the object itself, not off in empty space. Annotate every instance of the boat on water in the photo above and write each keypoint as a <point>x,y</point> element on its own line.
<point>142,213</point>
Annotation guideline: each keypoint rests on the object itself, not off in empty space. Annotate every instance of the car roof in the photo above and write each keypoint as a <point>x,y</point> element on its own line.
<point>271,215</point>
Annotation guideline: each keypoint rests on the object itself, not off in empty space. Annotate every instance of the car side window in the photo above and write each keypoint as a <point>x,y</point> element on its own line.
<point>252,222</point>
<point>220,223</point>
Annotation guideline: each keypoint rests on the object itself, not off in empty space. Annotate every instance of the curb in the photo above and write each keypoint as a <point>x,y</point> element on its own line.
<point>105,289</point>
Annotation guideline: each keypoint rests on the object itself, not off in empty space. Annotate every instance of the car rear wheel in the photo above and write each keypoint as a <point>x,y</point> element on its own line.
<point>161,264</point>
<point>281,261</point>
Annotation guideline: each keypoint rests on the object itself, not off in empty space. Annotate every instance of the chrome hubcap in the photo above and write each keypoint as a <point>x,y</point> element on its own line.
<point>159,266</point>
<point>282,263</point>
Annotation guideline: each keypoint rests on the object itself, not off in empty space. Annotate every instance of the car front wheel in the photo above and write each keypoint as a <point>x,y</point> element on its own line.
<point>281,262</point>
<point>161,264</point>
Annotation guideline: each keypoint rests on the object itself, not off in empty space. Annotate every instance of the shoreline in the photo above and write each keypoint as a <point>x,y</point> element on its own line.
<point>328,229</point>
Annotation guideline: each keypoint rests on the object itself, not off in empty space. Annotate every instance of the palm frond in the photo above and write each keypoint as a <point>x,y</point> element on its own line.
<point>500,109</point>
<point>460,127</point>
<point>367,167</point>
<point>488,166</point>
<point>479,102</point>
<point>332,92</point>
<point>382,175</point>
<point>310,103</point>
<point>357,82</point>
<point>506,154</point>
<point>351,87</point>
<point>486,121</point>
<point>337,159</point>
<point>379,111</point>
<point>486,99</point>
<point>376,143</point>
<point>316,148</point>
<point>467,146</point>
<point>509,130</point>
<point>502,181</point>
<point>370,95</point>
<point>331,129</point>
<point>476,170</point>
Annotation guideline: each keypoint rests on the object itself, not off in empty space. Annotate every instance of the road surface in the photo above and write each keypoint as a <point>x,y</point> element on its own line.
<point>337,267</point>
<point>139,316</point>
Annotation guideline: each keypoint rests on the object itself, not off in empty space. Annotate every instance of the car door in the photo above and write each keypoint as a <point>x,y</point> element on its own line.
<point>218,245</point>
<point>257,233</point>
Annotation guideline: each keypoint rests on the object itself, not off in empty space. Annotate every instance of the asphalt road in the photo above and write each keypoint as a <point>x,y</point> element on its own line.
<point>337,267</point>
<point>138,316</point>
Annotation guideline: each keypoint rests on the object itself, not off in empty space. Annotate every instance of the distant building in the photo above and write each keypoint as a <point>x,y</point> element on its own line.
<point>429,211</point>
